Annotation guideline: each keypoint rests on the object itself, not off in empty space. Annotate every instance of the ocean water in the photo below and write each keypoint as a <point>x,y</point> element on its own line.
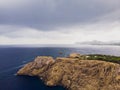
<point>13,58</point>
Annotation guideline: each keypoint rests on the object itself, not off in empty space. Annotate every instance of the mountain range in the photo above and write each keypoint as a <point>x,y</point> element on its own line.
<point>95,42</point>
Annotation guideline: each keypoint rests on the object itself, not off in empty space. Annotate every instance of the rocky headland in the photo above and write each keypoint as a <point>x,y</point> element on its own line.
<point>74,72</point>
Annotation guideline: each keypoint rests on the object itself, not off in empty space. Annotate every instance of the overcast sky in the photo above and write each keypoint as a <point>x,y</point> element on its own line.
<point>58,21</point>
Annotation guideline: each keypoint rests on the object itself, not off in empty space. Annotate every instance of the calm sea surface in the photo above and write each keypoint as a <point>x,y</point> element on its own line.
<point>13,58</point>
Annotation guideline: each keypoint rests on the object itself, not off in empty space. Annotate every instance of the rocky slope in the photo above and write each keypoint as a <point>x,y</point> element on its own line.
<point>73,73</point>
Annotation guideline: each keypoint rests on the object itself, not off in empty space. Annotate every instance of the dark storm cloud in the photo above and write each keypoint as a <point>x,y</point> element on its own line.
<point>48,14</point>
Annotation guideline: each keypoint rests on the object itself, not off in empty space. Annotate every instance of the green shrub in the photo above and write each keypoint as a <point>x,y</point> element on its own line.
<point>115,59</point>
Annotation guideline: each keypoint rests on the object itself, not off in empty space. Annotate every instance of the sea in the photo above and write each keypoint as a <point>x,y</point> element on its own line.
<point>13,58</point>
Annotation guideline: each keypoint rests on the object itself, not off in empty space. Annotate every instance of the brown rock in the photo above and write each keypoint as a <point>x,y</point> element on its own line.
<point>39,65</point>
<point>75,74</point>
<point>74,55</point>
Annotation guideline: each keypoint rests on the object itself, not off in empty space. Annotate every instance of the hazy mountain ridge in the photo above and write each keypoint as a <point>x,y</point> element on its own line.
<point>95,42</point>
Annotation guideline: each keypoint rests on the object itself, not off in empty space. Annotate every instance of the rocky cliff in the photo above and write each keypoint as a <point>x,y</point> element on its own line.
<point>73,73</point>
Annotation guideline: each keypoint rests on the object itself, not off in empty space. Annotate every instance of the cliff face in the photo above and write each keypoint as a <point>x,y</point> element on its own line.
<point>37,67</point>
<point>74,74</point>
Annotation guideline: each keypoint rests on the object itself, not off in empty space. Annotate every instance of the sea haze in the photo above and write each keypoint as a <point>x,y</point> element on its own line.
<point>13,58</point>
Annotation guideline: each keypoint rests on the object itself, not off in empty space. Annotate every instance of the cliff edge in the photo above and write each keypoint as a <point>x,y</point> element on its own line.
<point>73,73</point>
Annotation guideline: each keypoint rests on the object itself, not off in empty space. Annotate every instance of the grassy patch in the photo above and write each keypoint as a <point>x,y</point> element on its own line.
<point>108,58</point>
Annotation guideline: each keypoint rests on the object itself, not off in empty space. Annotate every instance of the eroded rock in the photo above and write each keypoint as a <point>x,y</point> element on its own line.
<point>75,74</point>
<point>39,65</point>
<point>74,55</point>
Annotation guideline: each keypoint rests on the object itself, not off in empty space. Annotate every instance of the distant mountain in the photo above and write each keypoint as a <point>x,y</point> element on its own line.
<point>95,42</point>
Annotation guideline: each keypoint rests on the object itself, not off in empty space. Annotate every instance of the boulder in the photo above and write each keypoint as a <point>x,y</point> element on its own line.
<point>74,55</point>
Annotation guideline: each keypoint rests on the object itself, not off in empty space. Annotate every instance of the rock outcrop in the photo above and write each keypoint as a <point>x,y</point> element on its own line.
<point>74,74</point>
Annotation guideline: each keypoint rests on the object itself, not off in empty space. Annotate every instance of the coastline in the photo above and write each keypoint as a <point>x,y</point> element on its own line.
<point>67,71</point>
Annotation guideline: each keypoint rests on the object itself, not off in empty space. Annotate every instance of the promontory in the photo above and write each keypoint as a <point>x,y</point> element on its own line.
<point>75,72</point>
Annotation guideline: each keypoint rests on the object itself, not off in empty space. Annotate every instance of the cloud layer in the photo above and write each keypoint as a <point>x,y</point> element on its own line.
<point>58,21</point>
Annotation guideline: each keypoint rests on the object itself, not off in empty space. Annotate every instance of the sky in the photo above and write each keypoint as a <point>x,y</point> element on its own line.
<point>58,21</point>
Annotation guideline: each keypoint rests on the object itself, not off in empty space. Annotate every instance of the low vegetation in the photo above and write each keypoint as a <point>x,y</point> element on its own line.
<point>108,58</point>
